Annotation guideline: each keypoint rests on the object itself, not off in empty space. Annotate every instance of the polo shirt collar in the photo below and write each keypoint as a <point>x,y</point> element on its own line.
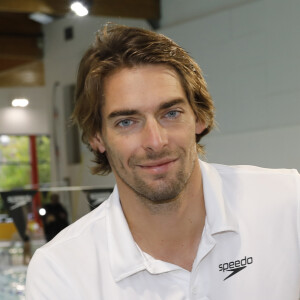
<point>125,256</point>
<point>219,215</point>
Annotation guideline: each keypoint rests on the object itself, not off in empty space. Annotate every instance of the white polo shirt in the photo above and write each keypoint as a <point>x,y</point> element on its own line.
<point>249,248</point>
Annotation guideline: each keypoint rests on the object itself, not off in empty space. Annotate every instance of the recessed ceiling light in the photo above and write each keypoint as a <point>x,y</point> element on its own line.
<point>21,102</point>
<point>79,9</point>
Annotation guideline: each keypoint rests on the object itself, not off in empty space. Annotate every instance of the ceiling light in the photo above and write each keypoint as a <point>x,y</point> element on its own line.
<point>41,18</point>
<point>21,102</point>
<point>79,9</point>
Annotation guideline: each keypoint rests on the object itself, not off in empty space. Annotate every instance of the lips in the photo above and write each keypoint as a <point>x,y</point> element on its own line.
<point>156,164</point>
<point>158,167</point>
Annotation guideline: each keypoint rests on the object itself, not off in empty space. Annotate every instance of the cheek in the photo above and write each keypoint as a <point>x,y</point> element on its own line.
<point>187,135</point>
<point>123,148</point>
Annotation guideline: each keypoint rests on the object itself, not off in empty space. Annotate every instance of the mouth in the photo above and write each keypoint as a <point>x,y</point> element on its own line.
<point>158,166</point>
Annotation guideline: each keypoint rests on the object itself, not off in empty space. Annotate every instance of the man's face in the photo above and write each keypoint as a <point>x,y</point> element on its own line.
<point>148,132</point>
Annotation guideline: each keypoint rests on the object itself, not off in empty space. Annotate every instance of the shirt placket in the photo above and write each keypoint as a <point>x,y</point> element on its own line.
<point>197,292</point>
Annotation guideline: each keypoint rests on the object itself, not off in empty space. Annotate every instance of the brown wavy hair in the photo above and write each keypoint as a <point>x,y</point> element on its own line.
<point>118,46</point>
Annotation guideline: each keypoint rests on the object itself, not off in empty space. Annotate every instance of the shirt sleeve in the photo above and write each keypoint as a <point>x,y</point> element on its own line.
<point>47,281</point>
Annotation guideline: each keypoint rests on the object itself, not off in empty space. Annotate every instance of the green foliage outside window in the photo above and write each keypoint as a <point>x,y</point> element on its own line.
<point>43,154</point>
<point>15,165</point>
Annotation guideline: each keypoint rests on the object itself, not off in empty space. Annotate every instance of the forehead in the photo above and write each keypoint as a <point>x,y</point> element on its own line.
<point>142,88</point>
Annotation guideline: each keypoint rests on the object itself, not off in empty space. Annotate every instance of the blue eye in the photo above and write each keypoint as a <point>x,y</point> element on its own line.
<point>173,114</point>
<point>125,123</point>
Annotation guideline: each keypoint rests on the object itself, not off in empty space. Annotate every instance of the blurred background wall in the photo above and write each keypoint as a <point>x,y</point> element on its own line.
<point>250,54</point>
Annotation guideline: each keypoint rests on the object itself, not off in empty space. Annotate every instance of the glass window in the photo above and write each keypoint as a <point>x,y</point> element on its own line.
<point>15,162</point>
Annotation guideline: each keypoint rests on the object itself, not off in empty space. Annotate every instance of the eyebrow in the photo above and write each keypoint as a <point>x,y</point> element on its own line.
<point>171,103</point>
<point>123,112</point>
<point>130,112</point>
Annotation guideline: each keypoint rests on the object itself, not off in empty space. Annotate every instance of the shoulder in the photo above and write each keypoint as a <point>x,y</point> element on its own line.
<point>257,182</point>
<point>73,250</point>
<point>258,175</point>
<point>254,170</point>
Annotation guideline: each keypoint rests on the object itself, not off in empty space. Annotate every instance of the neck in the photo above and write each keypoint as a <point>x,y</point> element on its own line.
<point>169,231</point>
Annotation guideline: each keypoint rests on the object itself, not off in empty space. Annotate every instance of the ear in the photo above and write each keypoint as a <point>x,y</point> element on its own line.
<point>97,143</point>
<point>200,126</point>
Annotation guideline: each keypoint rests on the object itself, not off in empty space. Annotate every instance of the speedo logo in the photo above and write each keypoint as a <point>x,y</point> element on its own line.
<point>235,266</point>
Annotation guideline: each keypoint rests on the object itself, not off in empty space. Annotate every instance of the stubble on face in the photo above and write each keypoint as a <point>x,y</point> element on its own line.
<point>163,193</point>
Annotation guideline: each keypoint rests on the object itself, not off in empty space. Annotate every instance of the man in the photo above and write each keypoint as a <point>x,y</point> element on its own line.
<point>175,227</point>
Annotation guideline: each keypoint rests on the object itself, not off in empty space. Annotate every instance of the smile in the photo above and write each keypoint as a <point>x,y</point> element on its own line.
<point>159,166</point>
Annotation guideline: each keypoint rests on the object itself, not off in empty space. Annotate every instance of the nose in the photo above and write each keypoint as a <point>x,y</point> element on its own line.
<point>155,136</point>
